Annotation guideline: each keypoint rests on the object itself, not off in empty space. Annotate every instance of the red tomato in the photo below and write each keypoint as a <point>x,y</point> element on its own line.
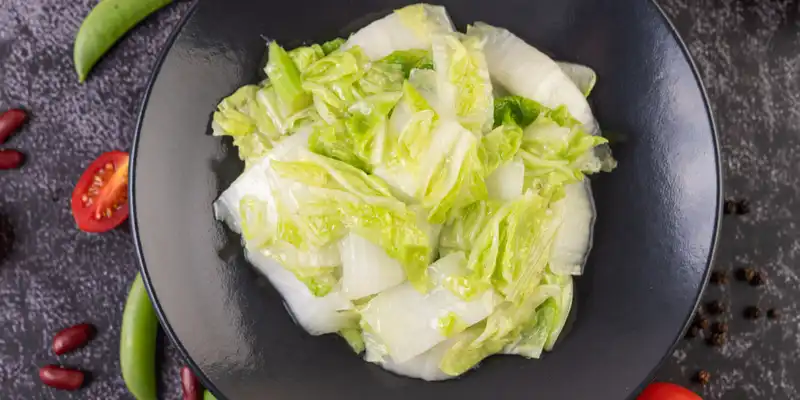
<point>667,391</point>
<point>100,199</point>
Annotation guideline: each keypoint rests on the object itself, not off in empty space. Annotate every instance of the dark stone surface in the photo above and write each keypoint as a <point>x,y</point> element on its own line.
<point>55,276</point>
<point>52,276</point>
<point>748,54</point>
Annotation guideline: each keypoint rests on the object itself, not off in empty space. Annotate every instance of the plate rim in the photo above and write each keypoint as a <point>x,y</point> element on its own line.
<point>712,255</point>
<point>209,386</point>
<point>133,217</point>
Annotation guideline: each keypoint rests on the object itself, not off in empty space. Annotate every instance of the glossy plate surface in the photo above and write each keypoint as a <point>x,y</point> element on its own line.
<point>658,213</point>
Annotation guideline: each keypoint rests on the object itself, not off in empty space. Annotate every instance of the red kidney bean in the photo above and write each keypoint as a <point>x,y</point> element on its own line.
<point>10,121</point>
<point>61,378</point>
<point>72,338</point>
<point>190,384</point>
<point>10,159</point>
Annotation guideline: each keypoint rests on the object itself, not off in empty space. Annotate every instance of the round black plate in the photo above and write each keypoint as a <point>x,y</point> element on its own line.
<point>658,213</point>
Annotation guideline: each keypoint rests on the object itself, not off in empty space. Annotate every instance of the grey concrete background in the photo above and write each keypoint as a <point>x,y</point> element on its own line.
<point>52,275</point>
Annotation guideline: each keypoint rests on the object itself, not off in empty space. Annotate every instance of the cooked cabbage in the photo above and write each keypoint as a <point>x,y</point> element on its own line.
<point>418,191</point>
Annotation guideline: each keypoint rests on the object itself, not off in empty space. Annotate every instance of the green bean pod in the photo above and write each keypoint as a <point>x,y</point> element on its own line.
<point>108,21</point>
<point>137,350</point>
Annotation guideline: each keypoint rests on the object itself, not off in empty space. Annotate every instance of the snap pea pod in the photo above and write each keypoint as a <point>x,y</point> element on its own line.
<point>108,21</point>
<point>137,352</point>
<point>208,396</point>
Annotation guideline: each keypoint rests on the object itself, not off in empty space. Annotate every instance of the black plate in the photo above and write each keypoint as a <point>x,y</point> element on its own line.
<point>658,213</point>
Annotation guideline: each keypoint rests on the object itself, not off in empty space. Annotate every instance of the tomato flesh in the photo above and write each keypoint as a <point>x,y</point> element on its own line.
<point>100,198</point>
<point>667,391</point>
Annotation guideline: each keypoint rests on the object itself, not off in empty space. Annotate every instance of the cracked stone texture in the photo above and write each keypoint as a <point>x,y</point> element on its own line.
<point>52,275</point>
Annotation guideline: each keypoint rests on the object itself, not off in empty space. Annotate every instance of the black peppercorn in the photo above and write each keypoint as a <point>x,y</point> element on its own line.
<point>700,322</point>
<point>719,327</point>
<point>715,307</point>
<point>752,312</point>
<point>692,332</point>
<point>757,279</point>
<point>719,277</point>
<point>731,207</point>
<point>773,314</point>
<point>703,377</point>
<point>745,274</point>
<point>717,339</point>
<point>743,207</point>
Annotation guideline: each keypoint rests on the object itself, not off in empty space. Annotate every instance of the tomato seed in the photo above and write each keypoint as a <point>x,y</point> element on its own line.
<point>190,384</point>
<point>94,190</point>
<point>11,159</point>
<point>60,377</point>
<point>10,121</point>
<point>72,338</point>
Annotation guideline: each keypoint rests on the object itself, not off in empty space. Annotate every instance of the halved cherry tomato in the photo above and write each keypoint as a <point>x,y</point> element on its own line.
<point>667,391</point>
<point>100,199</point>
